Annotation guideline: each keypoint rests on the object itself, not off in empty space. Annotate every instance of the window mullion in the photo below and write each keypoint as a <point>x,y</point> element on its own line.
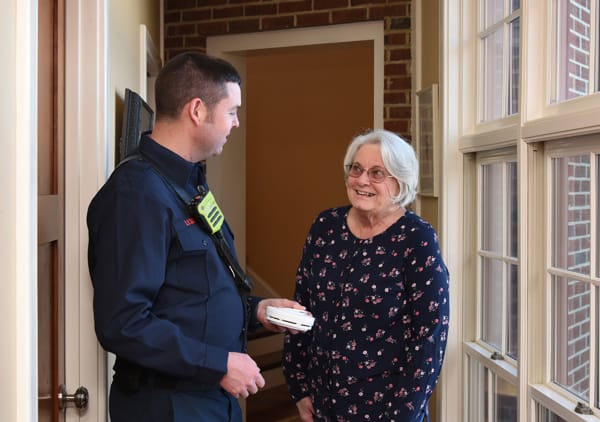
<point>594,58</point>
<point>594,273</point>
<point>505,272</point>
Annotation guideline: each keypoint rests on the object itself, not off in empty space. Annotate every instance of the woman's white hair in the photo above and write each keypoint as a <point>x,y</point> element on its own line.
<point>398,158</point>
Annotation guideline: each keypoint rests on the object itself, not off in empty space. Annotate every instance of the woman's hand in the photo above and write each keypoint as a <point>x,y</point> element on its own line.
<point>305,409</point>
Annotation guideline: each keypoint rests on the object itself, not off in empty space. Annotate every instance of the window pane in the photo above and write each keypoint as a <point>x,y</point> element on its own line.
<point>571,214</point>
<point>478,391</point>
<point>505,401</point>
<point>573,48</point>
<point>491,302</point>
<point>513,312</point>
<point>515,5</point>
<point>597,350</point>
<point>513,78</point>
<point>492,208</point>
<point>492,75</point>
<point>545,415</point>
<point>571,335</point>
<point>494,11</point>
<point>513,210</point>
<point>598,216</point>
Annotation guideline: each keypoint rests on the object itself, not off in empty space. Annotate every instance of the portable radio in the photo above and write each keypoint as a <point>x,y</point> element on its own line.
<point>205,210</point>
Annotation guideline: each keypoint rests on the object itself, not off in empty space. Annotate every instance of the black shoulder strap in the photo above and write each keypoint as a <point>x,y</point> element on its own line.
<point>242,281</point>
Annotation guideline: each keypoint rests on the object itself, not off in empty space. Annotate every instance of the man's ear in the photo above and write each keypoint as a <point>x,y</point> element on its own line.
<point>196,110</point>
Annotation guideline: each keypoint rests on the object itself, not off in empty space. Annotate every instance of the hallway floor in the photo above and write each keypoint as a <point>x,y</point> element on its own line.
<point>272,405</point>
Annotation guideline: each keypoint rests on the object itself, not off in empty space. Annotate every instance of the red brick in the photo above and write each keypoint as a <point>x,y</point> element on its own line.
<point>366,2</point>
<point>212,27</point>
<point>396,84</point>
<point>400,54</point>
<point>199,41</point>
<point>187,29</point>
<point>208,3</point>
<point>400,127</point>
<point>179,4</point>
<point>400,38</point>
<point>380,12</point>
<point>172,17</point>
<point>260,9</point>
<point>400,112</point>
<point>281,22</point>
<point>395,98</point>
<point>348,15</point>
<point>401,68</point>
<point>330,4</point>
<point>196,15</point>
<point>294,6</point>
<point>228,12</point>
<point>312,19</point>
<point>394,69</point>
<point>173,42</point>
<point>246,25</point>
<point>400,23</point>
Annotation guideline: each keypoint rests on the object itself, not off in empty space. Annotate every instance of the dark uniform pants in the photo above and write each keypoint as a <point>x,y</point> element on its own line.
<point>157,404</point>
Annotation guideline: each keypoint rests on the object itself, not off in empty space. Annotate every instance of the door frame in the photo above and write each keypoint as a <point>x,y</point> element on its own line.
<point>18,225</point>
<point>86,166</point>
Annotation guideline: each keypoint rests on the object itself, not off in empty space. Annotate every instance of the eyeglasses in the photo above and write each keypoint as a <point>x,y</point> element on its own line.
<point>375,174</point>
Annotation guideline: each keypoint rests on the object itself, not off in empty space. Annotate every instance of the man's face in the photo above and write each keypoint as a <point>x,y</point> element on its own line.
<point>220,120</point>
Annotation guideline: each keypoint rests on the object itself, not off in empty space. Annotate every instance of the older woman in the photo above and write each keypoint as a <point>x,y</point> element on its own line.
<point>372,275</point>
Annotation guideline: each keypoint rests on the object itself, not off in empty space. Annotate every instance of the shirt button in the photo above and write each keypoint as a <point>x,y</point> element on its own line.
<point>204,243</point>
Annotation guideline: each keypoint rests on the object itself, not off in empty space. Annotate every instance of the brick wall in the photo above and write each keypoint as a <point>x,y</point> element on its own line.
<point>578,260</point>
<point>578,18</point>
<point>189,22</point>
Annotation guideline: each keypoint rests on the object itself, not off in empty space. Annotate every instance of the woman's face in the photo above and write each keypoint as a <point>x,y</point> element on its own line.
<point>365,194</point>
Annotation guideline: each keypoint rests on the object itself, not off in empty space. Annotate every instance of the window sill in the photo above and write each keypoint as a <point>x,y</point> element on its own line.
<point>559,403</point>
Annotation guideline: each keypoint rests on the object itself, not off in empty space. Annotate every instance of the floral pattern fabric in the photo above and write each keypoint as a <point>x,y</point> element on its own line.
<point>381,310</point>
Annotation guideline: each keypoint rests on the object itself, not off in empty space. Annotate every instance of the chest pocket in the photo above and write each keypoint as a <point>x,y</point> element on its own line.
<point>191,271</point>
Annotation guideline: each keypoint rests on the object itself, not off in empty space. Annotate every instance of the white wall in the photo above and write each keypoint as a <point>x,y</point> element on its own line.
<point>18,228</point>
<point>124,53</point>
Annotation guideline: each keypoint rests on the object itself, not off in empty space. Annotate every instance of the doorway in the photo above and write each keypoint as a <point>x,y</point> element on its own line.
<point>232,175</point>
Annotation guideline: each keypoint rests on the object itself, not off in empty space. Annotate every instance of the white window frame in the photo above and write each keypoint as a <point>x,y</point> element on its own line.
<point>538,123</point>
<point>475,348</point>
<point>545,392</point>
<point>485,31</point>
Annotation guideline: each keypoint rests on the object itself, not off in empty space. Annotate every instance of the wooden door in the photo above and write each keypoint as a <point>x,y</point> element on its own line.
<point>50,208</point>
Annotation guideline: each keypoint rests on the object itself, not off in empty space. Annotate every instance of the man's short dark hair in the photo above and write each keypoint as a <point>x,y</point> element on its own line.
<point>192,75</point>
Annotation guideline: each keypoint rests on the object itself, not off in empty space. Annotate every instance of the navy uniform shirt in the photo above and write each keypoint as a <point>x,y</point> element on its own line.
<point>163,298</point>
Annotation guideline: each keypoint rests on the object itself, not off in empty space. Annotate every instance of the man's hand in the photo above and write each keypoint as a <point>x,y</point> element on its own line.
<point>261,312</point>
<point>243,376</point>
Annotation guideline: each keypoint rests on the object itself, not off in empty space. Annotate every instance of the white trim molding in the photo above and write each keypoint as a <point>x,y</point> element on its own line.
<point>87,160</point>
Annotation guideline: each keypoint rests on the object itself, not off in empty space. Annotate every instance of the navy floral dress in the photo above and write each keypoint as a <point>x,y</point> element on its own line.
<point>381,310</point>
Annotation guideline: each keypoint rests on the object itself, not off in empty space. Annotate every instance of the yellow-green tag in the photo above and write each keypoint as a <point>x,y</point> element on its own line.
<point>210,212</point>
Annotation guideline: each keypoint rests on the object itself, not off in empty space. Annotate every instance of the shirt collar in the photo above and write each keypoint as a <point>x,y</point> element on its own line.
<point>170,164</point>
